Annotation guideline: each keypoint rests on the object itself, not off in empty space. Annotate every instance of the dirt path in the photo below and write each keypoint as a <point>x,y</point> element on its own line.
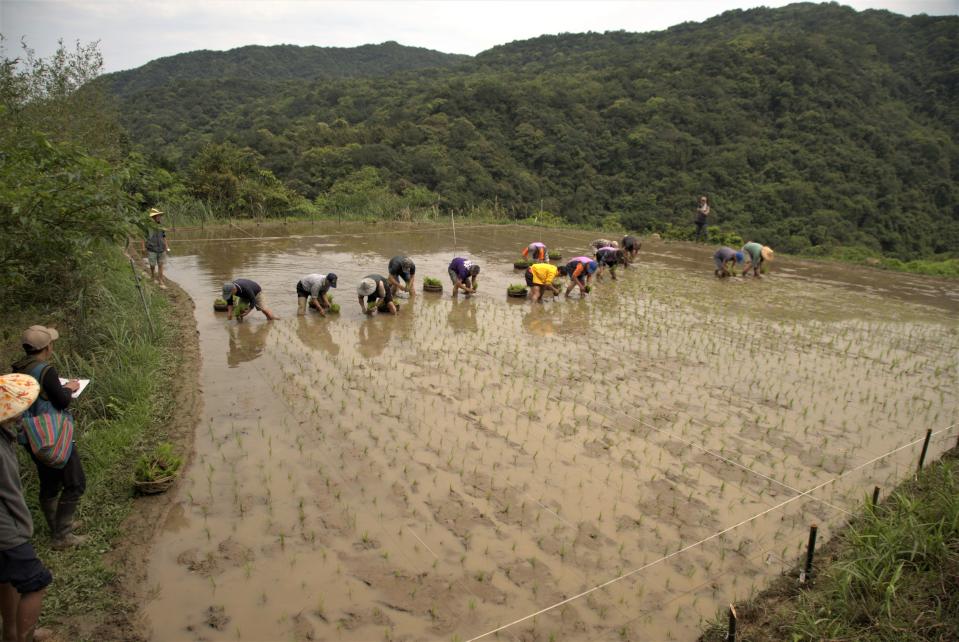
<point>131,553</point>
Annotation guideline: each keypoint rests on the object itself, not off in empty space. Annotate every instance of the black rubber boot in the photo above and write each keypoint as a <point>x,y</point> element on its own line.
<point>63,536</point>
<point>49,509</point>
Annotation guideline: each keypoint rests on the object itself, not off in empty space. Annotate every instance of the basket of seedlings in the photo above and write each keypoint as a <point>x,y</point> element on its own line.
<point>432,285</point>
<point>555,256</point>
<point>156,471</point>
<point>517,290</point>
<point>521,265</point>
<point>219,305</point>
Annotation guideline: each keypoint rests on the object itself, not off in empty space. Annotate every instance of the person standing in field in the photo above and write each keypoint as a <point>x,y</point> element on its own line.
<point>540,276</point>
<point>535,252</point>
<point>314,289</point>
<point>401,267</point>
<point>378,293</point>
<point>757,254</point>
<point>23,577</point>
<point>630,245</point>
<point>60,488</point>
<point>580,271</point>
<point>463,273</point>
<point>251,293</point>
<point>724,259</point>
<point>702,215</point>
<point>155,247</point>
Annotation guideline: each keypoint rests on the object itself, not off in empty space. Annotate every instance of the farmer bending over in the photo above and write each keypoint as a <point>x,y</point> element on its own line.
<point>630,245</point>
<point>248,291</point>
<point>463,273</point>
<point>580,271</point>
<point>378,293</point>
<point>535,252</point>
<point>757,255</point>
<point>314,289</point>
<point>724,259</point>
<point>542,275</point>
<point>23,577</point>
<point>401,267</point>
<point>608,257</point>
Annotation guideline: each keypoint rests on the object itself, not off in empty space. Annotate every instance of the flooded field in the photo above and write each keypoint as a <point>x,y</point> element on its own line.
<point>603,469</point>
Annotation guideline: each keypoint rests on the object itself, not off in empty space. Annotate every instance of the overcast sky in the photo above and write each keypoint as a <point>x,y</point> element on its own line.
<point>133,32</point>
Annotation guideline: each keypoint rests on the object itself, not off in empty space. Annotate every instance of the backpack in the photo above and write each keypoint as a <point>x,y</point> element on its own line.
<point>48,430</point>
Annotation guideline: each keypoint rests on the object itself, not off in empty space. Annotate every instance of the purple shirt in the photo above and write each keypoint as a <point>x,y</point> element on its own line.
<point>461,267</point>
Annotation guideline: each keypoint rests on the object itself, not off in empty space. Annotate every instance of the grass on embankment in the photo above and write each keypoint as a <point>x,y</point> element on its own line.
<point>892,574</point>
<point>104,337</point>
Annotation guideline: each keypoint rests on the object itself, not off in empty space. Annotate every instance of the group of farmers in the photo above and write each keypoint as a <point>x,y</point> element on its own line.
<point>375,293</point>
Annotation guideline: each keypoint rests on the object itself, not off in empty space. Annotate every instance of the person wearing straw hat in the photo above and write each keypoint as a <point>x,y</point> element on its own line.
<point>60,488</point>
<point>250,292</point>
<point>378,294</point>
<point>401,267</point>
<point>155,247</point>
<point>314,288</point>
<point>756,254</point>
<point>724,259</point>
<point>23,577</point>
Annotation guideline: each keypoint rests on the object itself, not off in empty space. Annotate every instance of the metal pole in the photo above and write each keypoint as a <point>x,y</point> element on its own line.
<point>925,447</point>
<point>143,300</point>
<point>731,633</point>
<point>806,574</point>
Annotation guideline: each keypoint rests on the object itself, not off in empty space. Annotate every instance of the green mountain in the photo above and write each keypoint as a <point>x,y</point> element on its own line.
<point>810,126</point>
<point>276,63</point>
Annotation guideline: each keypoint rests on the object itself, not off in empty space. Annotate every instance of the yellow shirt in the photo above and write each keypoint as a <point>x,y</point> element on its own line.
<point>543,273</point>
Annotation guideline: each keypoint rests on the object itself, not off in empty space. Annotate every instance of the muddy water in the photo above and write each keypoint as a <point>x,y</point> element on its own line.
<point>626,464</point>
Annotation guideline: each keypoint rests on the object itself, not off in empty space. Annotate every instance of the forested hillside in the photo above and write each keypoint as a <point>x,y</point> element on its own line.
<point>810,127</point>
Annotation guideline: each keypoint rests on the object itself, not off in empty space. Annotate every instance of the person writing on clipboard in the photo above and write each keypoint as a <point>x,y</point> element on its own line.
<point>60,488</point>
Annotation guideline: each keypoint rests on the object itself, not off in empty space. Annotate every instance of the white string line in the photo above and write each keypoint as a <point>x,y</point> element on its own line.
<point>331,235</point>
<point>705,539</point>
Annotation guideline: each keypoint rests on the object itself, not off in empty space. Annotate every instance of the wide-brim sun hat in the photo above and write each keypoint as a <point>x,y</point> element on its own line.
<point>228,289</point>
<point>17,393</point>
<point>366,287</point>
<point>766,253</point>
<point>154,212</point>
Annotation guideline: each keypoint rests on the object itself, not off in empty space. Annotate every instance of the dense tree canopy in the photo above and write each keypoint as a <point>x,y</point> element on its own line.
<point>810,126</point>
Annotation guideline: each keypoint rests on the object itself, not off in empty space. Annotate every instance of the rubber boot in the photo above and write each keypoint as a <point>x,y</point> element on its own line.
<point>49,508</point>
<point>301,306</point>
<point>63,536</point>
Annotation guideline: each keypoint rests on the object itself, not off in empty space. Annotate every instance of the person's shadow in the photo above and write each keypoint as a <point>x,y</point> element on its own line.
<point>315,333</point>
<point>247,342</point>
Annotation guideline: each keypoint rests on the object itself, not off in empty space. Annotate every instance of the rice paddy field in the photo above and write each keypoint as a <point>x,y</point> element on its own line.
<point>612,468</point>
